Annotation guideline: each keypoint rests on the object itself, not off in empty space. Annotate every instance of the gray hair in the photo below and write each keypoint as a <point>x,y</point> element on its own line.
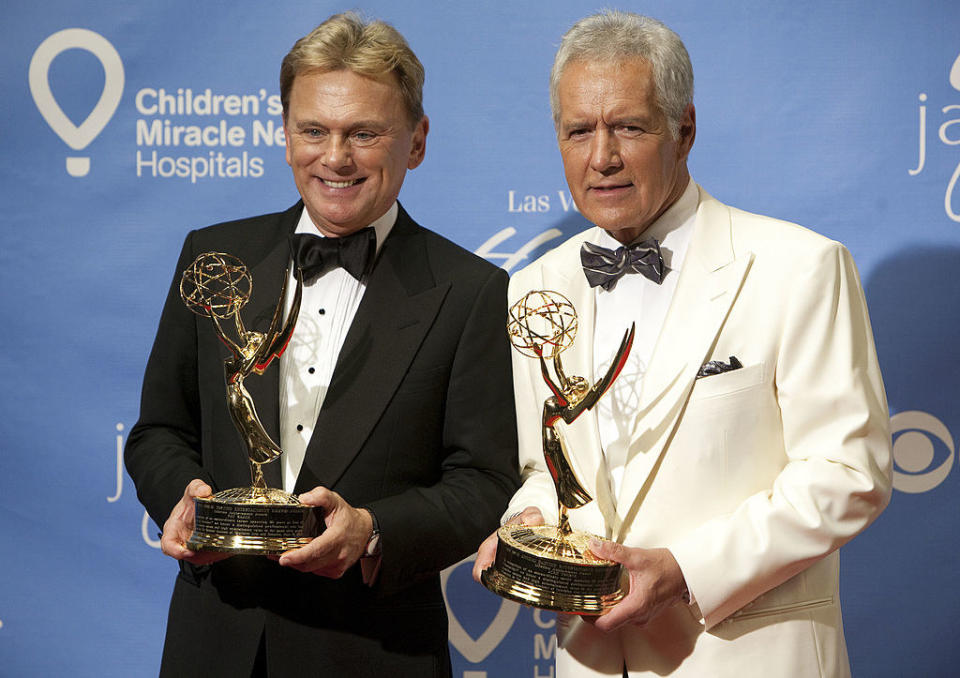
<point>612,36</point>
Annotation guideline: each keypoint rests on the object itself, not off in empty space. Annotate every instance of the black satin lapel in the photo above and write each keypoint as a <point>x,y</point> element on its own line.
<point>268,276</point>
<point>398,308</point>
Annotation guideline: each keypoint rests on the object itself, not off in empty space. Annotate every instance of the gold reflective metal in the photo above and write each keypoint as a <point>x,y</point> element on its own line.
<point>256,519</point>
<point>552,567</point>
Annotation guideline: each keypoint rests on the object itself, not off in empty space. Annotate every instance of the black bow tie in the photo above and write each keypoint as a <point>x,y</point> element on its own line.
<point>315,255</point>
<point>605,267</point>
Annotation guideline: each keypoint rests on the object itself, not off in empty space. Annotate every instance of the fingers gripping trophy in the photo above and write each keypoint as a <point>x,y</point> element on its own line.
<point>256,519</point>
<point>545,566</point>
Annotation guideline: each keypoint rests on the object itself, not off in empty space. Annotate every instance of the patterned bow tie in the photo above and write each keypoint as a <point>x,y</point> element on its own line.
<point>605,267</point>
<point>315,255</point>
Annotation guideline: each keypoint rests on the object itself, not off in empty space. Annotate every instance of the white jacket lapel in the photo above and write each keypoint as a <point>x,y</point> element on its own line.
<point>708,285</point>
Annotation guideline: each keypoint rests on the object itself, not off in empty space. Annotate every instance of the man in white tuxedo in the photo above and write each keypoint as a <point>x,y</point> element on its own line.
<point>747,438</point>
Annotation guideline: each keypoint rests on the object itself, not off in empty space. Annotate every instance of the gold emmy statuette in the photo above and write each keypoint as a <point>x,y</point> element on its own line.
<point>546,566</point>
<point>258,519</point>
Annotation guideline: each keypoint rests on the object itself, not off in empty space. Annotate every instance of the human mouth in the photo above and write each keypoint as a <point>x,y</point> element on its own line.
<point>611,188</point>
<point>340,184</point>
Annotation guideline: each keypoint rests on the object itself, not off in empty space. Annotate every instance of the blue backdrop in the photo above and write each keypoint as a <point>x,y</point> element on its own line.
<point>841,116</point>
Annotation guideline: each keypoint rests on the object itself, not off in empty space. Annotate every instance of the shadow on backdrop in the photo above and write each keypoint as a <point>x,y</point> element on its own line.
<point>914,301</point>
<point>903,567</point>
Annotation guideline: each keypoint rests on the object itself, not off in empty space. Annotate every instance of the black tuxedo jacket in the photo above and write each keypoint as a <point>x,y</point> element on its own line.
<point>418,424</point>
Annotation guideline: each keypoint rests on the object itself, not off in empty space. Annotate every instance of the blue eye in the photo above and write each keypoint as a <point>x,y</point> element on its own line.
<point>923,451</point>
<point>363,138</point>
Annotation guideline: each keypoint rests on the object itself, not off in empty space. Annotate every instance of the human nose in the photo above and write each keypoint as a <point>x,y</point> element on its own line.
<point>604,151</point>
<point>337,153</point>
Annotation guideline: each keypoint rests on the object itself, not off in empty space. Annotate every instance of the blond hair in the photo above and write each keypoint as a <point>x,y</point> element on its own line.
<point>370,48</point>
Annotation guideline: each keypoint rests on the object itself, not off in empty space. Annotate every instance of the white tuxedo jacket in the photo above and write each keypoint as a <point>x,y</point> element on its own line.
<point>752,478</point>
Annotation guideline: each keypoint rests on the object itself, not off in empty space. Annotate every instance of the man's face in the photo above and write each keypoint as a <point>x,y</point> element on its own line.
<point>623,167</point>
<point>349,143</point>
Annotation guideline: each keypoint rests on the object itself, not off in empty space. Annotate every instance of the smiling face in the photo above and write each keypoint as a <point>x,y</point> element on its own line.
<point>623,166</point>
<point>349,142</point>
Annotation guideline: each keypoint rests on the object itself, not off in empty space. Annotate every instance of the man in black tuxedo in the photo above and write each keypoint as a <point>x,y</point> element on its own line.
<point>393,402</point>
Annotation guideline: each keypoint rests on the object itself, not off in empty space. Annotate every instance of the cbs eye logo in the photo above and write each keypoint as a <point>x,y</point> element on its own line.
<point>923,451</point>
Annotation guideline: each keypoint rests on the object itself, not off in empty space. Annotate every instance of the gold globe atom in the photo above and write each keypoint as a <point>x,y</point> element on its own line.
<point>216,284</point>
<point>544,321</point>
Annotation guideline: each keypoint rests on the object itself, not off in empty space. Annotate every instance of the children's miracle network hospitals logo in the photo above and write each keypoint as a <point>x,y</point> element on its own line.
<point>74,136</point>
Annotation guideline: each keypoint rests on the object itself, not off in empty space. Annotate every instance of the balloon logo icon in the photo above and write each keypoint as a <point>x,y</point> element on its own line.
<point>76,137</point>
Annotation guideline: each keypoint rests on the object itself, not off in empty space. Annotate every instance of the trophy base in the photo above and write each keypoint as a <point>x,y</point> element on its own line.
<point>538,566</point>
<point>254,521</point>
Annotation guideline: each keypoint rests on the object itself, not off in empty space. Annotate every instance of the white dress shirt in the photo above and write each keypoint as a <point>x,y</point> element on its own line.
<point>329,303</point>
<point>635,299</point>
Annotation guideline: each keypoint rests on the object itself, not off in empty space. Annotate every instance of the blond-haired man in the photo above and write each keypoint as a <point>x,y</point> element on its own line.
<point>392,404</point>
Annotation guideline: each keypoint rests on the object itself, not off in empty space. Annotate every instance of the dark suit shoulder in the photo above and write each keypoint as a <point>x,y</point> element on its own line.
<point>249,238</point>
<point>285,217</point>
<point>448,260</point>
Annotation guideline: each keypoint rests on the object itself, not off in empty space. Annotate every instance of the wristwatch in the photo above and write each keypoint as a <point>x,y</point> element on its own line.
<point>373,543</point>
